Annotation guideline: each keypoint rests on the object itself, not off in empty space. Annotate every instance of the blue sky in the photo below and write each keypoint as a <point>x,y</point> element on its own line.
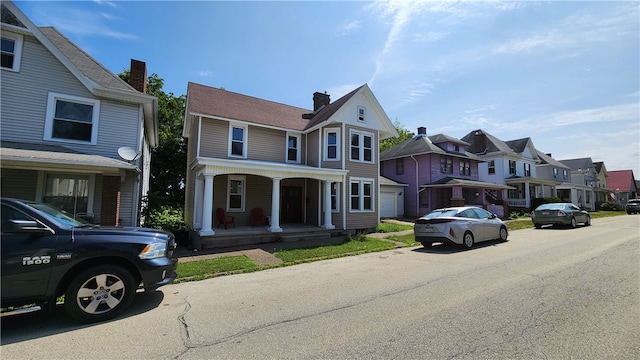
<point>566,74</point>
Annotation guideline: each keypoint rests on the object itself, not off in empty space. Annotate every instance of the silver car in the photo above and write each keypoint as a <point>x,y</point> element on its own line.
<point>465,226</point>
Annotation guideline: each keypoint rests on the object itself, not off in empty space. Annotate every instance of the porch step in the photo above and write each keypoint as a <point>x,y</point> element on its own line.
<point>253,238</point>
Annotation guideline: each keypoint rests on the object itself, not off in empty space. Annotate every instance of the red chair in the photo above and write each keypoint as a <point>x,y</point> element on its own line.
<point>257,217</point>
<point>224,219</point>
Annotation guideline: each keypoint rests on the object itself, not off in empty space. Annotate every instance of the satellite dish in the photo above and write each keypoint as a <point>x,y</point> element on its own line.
<point>128,153</point>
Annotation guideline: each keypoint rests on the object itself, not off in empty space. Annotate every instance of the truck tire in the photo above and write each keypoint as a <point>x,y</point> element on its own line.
<point>99,293</point>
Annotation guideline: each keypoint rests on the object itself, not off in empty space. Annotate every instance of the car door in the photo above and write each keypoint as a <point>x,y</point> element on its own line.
<point>475,224</point>
<point>578,213</point>
<point>28,251</point>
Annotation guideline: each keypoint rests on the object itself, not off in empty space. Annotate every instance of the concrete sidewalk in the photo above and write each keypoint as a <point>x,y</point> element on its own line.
<point>262,254</point>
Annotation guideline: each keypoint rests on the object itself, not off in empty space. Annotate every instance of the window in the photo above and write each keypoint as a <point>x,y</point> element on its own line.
<point>332,141</point>
<point>67,192</point>
<point>11,49</point>
<point>512,167</point>
<point>564,174</point>
<point>465,167</point>
<point>238,141</point>
<point>72,119</point>
<point>492,166</point>
<point>446,165</point>
<point>527,169</point>
<point>335,197</point>
<point>555,172</point>
<point>293,148</point>
<point>361,195</point>
<point>361,146</point>
<point>399,166</point>
<point>362,112</point>
<point>424,198</point>
<point>235,189</point>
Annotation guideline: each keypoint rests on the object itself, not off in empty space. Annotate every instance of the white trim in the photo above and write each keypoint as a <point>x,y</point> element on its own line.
<point>242,193</point>
<point>298,148</point>
<point>51,110</point>
<point>17,50</point>
<point>361,182</point>
<point>245,139</point>
<point>325,142</point>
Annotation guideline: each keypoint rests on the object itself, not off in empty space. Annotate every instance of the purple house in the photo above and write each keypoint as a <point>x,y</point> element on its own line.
<point>439,172</point>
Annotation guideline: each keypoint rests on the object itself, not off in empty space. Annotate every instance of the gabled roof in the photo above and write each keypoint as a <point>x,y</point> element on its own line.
<point>548,160</point>
<point>579,164</point>
<point>483,143</point>
<point>621,180</point>
<point>441,138</point>
<point>89,72</point>
<point>421,144</point>
<point>518,145</point>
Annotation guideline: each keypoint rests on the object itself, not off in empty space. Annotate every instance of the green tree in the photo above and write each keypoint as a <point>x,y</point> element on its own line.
<point>403,135</point>
<point>169,158</point>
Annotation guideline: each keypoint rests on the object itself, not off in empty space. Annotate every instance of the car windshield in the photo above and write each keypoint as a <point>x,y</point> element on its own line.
<point>551,207</point>
<point>59,216</point>
<point>441,213</point>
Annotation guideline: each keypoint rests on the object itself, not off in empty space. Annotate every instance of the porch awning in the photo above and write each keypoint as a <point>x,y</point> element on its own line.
<point>522,179</point>
<point>465,183</point>
<point>268,169</point>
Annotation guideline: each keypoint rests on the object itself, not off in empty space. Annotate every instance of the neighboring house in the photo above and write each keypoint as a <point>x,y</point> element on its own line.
<point>73,134</point>
<point>580,190</point>
<point>623,186</point>
<point>316,167</point>
<point>391,198</point>
<point>511,163</point>
<point>439,171</point>
<point>553,173</point>
<point>601,191</point>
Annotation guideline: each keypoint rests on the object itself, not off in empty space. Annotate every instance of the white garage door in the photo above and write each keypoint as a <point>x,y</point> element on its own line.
<point>388,204</point>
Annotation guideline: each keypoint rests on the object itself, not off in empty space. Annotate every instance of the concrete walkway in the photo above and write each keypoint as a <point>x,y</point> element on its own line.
<point>262,254</point>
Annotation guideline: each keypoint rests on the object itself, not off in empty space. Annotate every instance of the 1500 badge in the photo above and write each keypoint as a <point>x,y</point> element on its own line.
<point>36,260</point>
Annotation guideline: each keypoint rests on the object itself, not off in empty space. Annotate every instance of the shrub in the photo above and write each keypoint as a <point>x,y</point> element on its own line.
<point>610,206</point>
<point>166,218</point>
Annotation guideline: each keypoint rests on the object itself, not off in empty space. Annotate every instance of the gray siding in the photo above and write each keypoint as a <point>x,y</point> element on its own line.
<point>214,138</point>
<point>313,139</point>
<point>266,144</point>
<point>19,184</point>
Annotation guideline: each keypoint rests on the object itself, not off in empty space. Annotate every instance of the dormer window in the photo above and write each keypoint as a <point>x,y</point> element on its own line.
<point>362,113</point>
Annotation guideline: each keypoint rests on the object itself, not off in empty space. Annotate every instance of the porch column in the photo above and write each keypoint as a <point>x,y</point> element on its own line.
<point>527,195</point>
<point>207,207</point>
<point>327,206</point>
<point>274,224</point>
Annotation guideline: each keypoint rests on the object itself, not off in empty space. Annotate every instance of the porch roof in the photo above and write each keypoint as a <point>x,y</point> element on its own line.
<point>522,179</point>
<point>451,182</point>
<point>214,166</point>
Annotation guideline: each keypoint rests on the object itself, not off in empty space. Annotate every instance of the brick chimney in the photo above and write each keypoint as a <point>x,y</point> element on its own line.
<point>320,99</point>
<point>138,76</point>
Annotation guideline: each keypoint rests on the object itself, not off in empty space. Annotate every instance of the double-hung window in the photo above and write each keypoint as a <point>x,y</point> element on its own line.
<point>11,49</point>
<point>361,195</point>
<point>293,148</point>
<point>331,144</point>
<point>512,167</point>
<point>362,114</point>
<point>335,197</point>
<point>446,165</point>
<point>400,166</point>
<point>238,141</point>
<point>236,193</point>
<point>72,119</point>
<point>555,172</point>
<point>465,167</point>
<point>361,146</point>
<point>527,169</point>
<point>492,166</point>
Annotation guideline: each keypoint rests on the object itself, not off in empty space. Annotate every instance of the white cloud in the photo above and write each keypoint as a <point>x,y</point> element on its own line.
<point>205,73</point>
<point>348,27</point>
<point>549,122</point>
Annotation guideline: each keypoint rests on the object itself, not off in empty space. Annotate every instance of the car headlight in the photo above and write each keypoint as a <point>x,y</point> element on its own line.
<point>153,251</point>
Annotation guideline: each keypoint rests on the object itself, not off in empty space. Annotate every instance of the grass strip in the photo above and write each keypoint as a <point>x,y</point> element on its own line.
<point>349,248</point>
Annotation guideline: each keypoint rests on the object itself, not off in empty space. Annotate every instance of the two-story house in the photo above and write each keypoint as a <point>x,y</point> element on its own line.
<point>314,167</point>
<point>73,134</point>
<point>551,173</point>
<point>439,172</point>
<point>580,190</point>
<point>623,186</point>
<point>601,190</point>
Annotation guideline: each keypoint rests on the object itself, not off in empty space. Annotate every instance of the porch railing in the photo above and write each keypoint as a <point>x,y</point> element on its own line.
<point>522,203</point>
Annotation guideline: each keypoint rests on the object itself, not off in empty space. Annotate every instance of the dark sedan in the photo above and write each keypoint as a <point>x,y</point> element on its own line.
<point>566,214</point>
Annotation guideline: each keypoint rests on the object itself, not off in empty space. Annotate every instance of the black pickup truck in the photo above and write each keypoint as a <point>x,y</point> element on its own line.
<point>47,253</point>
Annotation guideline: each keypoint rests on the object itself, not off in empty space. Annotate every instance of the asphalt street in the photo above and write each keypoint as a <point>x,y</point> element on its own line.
<point>545,294</point>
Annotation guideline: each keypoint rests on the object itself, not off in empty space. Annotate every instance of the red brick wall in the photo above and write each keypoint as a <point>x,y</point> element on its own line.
<point>110,210</point>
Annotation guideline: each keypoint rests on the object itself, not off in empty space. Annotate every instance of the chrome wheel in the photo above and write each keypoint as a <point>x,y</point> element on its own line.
<point>468,240</point>
<point>503,234</point>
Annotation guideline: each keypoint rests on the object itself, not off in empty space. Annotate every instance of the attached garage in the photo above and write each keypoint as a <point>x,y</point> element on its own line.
<point>391,198</point>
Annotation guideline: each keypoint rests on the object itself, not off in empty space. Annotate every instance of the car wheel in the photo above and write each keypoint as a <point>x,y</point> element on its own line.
<point>426,243</point>
<point>503,234</point>
<point>588,221</point>
<point>467,240</point>
<point>573,223</point>
<point>538,226</point>
<point>99,293</point>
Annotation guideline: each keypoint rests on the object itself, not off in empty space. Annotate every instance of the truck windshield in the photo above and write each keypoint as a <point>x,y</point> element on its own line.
<point>59,216</point>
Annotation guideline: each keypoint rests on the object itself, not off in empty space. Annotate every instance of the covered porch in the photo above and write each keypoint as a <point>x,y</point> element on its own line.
<point>523,189</point>
<point>460,192</point>
<point>290,196</point>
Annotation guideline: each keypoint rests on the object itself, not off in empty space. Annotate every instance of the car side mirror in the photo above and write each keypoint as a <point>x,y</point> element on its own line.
<point>493,216</point>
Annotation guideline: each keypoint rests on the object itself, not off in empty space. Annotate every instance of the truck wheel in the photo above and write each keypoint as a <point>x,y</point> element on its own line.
<point>99,293</point>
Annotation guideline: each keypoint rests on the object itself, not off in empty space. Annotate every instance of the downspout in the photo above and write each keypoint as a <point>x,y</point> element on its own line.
<point>417,188</point>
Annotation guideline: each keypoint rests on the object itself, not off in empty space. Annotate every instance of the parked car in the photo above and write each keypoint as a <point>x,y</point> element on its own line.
<point>464,225</point>
<point>633,206</point>
<point>47,253</point>
<point>566,214</point>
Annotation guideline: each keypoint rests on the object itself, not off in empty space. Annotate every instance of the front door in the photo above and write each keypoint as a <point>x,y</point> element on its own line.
<point>291,204</point>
